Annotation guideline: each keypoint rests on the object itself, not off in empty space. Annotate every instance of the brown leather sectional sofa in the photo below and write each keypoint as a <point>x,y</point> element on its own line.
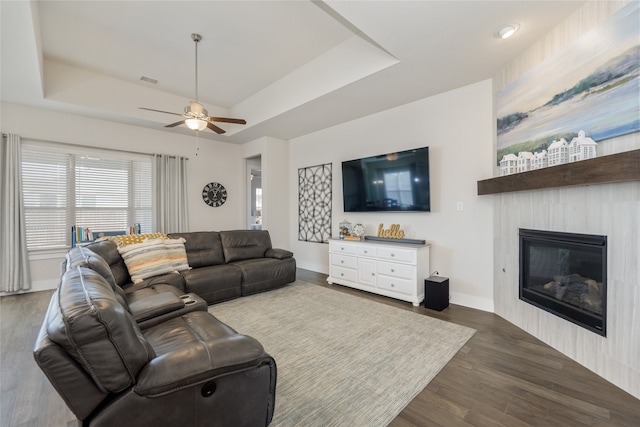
<point>148,353</point>
<point>224,265</point>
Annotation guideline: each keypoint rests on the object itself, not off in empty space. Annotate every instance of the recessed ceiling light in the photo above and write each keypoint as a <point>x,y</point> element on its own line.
<point>507,31</point>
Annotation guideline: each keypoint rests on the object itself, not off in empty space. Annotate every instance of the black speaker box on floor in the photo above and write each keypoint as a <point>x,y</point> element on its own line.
<point>436,293</point>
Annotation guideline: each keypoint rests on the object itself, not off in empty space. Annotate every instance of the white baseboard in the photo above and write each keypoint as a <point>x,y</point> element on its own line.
<point>471,302</point>
<point>37,286</point>
<point>318,268</point>
<point>454,298</point>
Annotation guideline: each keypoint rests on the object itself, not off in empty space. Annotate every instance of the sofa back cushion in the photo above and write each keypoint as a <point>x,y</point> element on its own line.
<point>244,244</point>
<point>108,250</point>
<point>85,257</point>
<point>74,384</point>
<point>81,256</point>
<point>97,331</point>
<point>203,248</point>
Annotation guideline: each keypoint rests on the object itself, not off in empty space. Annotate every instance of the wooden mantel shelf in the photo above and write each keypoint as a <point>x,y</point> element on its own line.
<point>620,167</point>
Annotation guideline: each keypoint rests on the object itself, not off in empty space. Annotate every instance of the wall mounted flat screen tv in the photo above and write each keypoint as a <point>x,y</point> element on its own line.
<point>393,182</point>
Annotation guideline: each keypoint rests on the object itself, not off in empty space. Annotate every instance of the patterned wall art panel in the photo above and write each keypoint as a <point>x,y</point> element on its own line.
<point>314,203</point>
<point>592,85</point>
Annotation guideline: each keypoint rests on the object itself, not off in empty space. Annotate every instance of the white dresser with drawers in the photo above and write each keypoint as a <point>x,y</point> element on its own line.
<point>395,270</point>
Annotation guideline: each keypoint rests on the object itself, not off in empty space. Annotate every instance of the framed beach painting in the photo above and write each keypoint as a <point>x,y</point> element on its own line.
<point>593,85</point>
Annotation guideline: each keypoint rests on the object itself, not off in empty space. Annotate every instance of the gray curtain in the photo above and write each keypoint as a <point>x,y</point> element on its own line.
<point>14,257</point>
<point>170,194</point>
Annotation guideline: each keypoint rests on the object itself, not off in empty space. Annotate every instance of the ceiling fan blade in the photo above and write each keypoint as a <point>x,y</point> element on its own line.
<point>181,122</point>
<point>159,111</point>
<point>226,120</point>
<point>215,128</point>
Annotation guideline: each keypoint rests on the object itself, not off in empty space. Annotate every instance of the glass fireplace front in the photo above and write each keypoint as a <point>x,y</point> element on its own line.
<point>566,274</point>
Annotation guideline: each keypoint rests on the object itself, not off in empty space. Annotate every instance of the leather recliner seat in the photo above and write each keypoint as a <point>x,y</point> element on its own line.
<point>190,369</point>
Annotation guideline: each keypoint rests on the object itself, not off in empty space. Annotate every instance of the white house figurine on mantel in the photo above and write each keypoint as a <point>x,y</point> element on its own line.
<point>558,152</point>
<point>524,161</point>
<point>539,160</point>
<point>582,148</point>
<point>508,164</point>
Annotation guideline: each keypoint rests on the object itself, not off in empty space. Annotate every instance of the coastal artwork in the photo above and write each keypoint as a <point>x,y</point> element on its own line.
<point>592,86</point>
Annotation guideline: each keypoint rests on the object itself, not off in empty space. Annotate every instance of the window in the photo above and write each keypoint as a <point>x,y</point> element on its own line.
<point>99,189</point>
<point>397,187</point>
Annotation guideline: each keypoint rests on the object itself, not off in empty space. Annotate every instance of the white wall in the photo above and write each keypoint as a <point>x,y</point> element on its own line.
<point>274,155</point>
<point>215,161</point>
<point>457,126</point>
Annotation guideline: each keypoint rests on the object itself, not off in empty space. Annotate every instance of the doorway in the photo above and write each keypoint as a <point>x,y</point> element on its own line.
<point>254,193</point>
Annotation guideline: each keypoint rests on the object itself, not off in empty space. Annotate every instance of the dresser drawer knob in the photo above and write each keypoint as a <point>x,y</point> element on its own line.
<point>393,255</point>
<point>342,261</point>
<point>392,270</point>
<point>342,274</point>
<point>366,252</point>
<point>393,285</point>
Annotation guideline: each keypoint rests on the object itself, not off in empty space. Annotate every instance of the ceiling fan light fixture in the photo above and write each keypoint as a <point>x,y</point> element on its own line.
<point>195,116</point>
<point>196,124</point>
<point>507,31</point>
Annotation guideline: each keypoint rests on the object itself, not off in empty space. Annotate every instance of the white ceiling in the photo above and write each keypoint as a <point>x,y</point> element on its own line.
<point>288,67</point>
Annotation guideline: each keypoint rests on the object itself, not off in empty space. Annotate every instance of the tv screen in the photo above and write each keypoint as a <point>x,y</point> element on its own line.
<point>388,182</point>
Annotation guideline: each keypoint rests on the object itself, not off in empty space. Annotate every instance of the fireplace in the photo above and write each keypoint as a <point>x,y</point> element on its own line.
<point>566,275</point>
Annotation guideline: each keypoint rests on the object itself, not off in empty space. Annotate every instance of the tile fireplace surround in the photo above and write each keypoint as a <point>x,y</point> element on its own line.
<point>609,209</point>
<point>604,209</point>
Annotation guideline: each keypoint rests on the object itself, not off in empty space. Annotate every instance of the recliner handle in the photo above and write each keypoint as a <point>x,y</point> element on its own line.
<point>208,389</point>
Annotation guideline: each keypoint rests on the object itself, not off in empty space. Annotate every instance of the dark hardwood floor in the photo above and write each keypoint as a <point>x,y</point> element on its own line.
<point>502,377</point>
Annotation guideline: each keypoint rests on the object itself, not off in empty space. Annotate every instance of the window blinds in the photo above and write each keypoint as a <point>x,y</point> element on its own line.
<point>97,189</point>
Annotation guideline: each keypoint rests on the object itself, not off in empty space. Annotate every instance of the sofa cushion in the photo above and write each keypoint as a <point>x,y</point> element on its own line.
<point>278,253</point>
<point>97,331</point>
<point>108,250</point>
<point>244,244</point>
<point>155,305</point>
<point>146,260</point>
<point>214,283</point>
<point>81,256</point>
<point>174,280</point>
<point>85,257</point>
<point>213,348</point>
<point>204,248</point>
<point>263,274</point>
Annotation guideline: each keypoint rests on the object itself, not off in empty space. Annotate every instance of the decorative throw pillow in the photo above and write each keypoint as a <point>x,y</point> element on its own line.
<point>177,254</point>
<point>146,259</point>
<point>132,239</point>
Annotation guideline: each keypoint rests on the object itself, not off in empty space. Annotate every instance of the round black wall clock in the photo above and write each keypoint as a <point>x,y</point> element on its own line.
<point>214,194</point>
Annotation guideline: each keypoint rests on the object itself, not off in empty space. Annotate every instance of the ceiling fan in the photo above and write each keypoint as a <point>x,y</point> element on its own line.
<point>195,116</point>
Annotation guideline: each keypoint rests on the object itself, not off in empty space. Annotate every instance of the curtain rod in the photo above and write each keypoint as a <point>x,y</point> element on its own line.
<point>88,146</point>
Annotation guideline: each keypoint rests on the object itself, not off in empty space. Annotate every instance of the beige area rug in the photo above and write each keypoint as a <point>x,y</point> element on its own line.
<point>342,360</point>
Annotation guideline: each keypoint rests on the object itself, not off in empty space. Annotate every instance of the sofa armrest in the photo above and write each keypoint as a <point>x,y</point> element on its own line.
<point>278,253</point>
<point>196,362</point>
<point>155,305</point>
